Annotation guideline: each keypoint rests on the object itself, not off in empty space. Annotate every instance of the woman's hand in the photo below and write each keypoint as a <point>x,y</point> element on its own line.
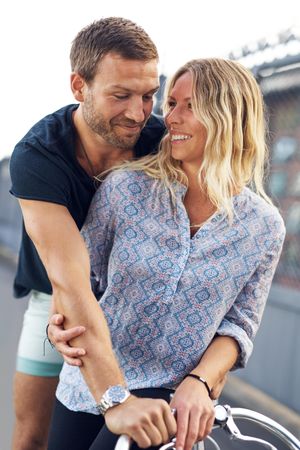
<point>218,388</point>
<point>59,337</point>
<point>194,411</point>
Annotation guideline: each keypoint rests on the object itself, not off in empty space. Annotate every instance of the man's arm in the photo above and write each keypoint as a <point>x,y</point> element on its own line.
<point>65,257</point>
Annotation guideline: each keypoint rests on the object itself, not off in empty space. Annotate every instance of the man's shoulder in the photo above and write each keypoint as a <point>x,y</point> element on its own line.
<point>45,149</point>
<point>48,131</point>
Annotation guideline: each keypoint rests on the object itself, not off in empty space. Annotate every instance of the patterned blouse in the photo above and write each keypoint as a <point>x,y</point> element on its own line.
<point>165,295</point>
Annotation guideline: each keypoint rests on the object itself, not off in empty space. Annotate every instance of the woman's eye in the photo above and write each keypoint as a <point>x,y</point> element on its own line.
<point>190,106</point>
<point>170,103</point>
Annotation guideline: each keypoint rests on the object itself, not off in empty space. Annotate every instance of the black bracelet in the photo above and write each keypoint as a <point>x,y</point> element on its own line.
<point>201,380</point>
<point>48,339</point>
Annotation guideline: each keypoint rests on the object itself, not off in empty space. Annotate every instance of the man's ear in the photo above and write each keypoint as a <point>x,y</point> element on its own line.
<point>77,86</point>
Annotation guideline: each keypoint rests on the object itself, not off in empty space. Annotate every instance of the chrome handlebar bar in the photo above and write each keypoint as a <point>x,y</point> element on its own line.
<point>224,418</point>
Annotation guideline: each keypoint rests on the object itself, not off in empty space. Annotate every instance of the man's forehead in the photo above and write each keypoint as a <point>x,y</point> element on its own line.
<point>116,73</point>
<point>127,86</point>
<point>116,67</point>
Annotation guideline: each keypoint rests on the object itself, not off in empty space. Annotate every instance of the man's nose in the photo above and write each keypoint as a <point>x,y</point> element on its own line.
<point>135,110</point>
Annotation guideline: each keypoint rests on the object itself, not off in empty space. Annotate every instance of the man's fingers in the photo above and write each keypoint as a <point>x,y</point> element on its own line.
<point>170,424</point>
<point>165,425</point>
<point>142,439</point>
<point>154,434</point>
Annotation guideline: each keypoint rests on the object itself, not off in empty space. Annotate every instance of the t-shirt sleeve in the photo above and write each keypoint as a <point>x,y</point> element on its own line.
<point>38,175</point>
<point>243,319</point>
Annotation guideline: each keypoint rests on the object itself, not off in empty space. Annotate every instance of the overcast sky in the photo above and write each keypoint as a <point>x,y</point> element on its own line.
<point>35,39</point>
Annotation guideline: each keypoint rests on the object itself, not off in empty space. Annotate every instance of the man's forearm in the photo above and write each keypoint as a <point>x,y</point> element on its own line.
<point>74,299</point>
<point>66,260</point>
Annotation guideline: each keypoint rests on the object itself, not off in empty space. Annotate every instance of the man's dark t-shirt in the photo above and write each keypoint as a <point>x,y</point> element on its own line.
<point>44,167</point>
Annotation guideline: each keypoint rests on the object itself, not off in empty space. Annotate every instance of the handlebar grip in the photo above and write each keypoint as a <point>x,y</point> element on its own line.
<point>123,443</point>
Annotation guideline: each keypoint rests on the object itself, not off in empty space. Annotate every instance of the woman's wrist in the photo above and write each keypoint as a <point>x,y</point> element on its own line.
<point>201,380</point>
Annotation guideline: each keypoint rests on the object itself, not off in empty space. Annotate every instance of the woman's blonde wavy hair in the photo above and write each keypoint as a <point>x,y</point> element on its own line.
<point>227,100</point>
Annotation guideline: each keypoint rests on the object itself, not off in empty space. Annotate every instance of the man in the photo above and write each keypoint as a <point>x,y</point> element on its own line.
<point>53,170</point>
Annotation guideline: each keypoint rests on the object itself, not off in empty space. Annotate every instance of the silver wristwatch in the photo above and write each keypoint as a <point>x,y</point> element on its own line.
<point>113,396</point>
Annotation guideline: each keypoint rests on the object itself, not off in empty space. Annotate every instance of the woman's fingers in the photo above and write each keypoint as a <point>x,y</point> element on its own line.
<point>182,428</point>
<point>73,361</point>
<point>60,338</point>
<point>192,435</point>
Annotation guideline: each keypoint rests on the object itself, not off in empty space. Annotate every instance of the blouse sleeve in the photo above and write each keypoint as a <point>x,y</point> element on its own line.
<point>98,233</point>
<point>243,319</point>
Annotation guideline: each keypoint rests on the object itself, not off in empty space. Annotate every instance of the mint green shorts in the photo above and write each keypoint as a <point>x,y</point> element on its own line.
<point>35,355</point>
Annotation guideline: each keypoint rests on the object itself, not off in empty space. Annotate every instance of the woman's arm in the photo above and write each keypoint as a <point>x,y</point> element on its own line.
<point>244,317</point>
<point>230,348</point>
<point>194,407</point>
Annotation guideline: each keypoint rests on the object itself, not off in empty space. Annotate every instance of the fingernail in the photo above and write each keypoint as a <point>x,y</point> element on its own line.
<point>81,353</point>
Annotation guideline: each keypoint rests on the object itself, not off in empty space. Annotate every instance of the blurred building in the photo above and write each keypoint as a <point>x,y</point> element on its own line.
<point>276,64</point>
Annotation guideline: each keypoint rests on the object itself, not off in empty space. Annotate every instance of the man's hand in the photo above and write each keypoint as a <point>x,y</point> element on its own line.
<point>60,338</point>
<point>149,422</point>
<point>194,412</point>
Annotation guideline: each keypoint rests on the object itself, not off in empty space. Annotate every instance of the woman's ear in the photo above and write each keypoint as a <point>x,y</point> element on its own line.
<point>77,86</point>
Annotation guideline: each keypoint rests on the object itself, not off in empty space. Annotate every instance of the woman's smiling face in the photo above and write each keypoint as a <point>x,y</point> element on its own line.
<point>187,134</point>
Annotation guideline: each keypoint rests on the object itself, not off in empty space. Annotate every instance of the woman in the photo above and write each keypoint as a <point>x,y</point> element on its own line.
<point>183,251</point>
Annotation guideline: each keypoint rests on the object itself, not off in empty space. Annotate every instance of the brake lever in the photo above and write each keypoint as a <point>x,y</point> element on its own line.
<point>235,434</point>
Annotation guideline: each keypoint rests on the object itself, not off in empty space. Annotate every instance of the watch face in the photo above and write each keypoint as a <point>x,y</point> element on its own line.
<point>117,394</point>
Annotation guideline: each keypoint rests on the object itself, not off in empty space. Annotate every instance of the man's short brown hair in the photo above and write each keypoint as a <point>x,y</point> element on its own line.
<point>111,34</point>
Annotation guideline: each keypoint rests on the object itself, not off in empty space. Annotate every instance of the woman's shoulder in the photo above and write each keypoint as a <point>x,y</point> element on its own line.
<point>128,179</point>
<point>257,208</point>
<point>122,186</point>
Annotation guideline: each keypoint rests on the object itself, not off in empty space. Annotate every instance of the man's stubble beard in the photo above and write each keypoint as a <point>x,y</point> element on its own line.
<point>99,125</point>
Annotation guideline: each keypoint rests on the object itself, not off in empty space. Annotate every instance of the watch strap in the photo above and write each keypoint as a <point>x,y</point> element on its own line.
<point>103,406</point>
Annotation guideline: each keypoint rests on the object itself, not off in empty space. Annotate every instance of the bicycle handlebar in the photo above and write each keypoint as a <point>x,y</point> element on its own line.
<point>224,418</point>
